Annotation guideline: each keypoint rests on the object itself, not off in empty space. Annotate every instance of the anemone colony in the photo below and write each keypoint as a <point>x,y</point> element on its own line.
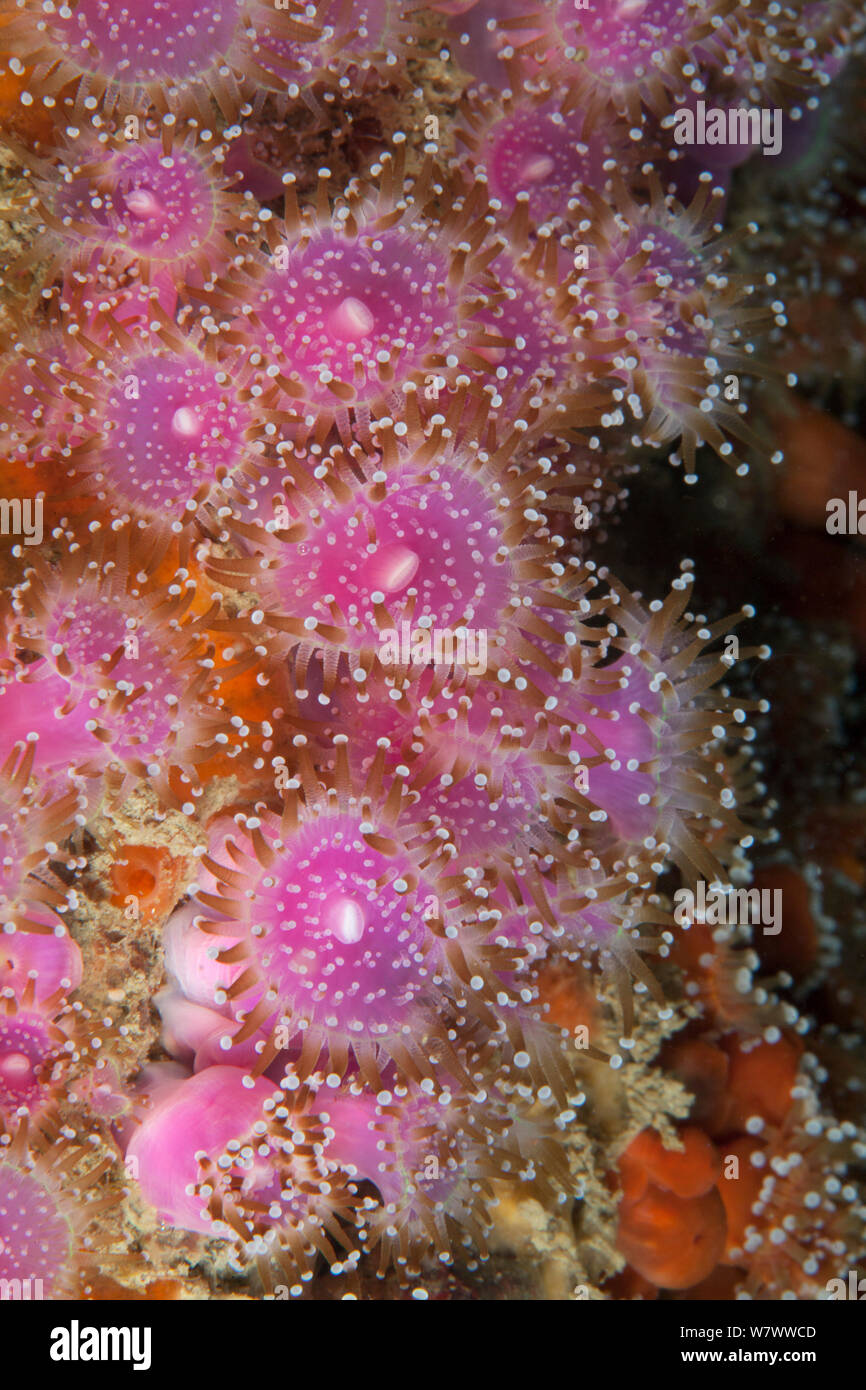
<point>325,955</point>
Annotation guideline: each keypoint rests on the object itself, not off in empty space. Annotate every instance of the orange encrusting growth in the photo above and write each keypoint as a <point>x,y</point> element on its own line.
<point>101,1288</point>
<point>672,1241</point>
<point>150,876</point>
<point>672,1220</point>
<point>823,459</point>
<point>711,966</point>
<point>760,1081</point>
<point>569,1003</point>
<point>703,1069</point>
<point>689,1172</point>
<point>739,1197</point>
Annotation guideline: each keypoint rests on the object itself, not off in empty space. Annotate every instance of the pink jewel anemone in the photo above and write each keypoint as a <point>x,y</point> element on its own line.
<point>35,1056</point>
<point>333,933</point>
<point>539,148</point>
<point>48,1209</point>
<point>434,1158</point>
<point>639,51</point>
<point>358,42</point>
<point>224,1155</point>
<point>176,438</point>
<point>103,645</point>
<point>150,206</point>
<point>660,282</point>
<point>36,816</point>
<point>656,747</point>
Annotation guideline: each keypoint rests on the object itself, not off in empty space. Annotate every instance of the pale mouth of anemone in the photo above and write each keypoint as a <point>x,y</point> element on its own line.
<point>537,168</point>
<point>352,320</point>
<point>185,423</point>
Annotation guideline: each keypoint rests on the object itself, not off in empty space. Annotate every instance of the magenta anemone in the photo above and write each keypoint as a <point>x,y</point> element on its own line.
<point>783,58</point>
<point>48,1208</point>
<point>357,43</point>
<point>487,772</point>
<point>606,919</point>
<point>48,1048</point>
<point>133,682</point>
<point>31,1060</point>
<point>40,1047</point>
<point>36,817</point>
<point>658,279</point>
<point>542,349</point>
<point>656,745</point>
<point>177,55</point>
<point>436,1159</point>
<point>639,52</point>
<point>176,439</point>
<point>49,958</point>
<point>222,1154</point>
<point>540,146</point>
<point>43,401</point>
<point>500,42</point>
<point>543,346</point>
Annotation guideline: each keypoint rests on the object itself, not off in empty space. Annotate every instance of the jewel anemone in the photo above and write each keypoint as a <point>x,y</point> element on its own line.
<point>352,306</point>
<point>177,55</point>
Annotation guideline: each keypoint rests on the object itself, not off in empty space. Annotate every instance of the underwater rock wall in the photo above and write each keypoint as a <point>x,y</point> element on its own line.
<point>420,880</point>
